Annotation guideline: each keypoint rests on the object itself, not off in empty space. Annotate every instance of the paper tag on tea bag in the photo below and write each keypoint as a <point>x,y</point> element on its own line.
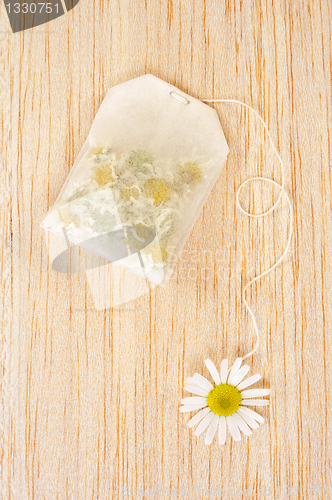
<point>147,167</point>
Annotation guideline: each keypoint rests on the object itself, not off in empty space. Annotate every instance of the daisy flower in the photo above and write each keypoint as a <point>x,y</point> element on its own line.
<point>225,404</point>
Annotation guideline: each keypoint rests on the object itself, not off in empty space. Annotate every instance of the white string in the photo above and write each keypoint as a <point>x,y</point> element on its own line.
<point>263,214</point>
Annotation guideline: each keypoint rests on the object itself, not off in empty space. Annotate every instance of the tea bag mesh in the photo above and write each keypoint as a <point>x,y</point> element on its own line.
<point>138,185</point>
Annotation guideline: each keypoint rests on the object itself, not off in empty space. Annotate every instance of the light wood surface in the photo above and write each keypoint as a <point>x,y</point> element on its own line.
<point>90,399</point>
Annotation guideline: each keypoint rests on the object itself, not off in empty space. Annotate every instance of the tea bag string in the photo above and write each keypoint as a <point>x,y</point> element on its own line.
<point>262,214</point>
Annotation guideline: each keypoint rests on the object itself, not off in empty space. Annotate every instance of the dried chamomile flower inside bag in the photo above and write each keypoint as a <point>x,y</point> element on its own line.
<point>151,158</point>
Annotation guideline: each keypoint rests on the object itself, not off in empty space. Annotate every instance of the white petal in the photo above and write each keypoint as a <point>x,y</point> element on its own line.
<point>250,421</point>
<point>234,369</point>
<point>240,374</point>
<point>186,408</point>
<point>222,430</point>
<point>198,417</point>
<point>202,382</point>
<point>255,393</point>
<point>196,390</point>
<point>212,430</point>
<point>255,402</point>
<point>241,424</point>
<point>251,380</point>
<point>233,428</point>
<point>204,423</point>
<point>223,372</point>
<point>193,401</point>
<point>213,371</point>
<point>251,413</point>
<point>193,381</point>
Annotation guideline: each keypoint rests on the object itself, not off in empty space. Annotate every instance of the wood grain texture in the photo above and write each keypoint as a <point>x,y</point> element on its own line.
<point>90,399</point>
<point>5,254</point>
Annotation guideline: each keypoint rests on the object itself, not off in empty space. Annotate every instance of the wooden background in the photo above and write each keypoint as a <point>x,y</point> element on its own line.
<point>90,399</point>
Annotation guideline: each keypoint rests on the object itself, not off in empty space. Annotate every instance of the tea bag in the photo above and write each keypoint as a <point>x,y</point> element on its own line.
<point>138,185</point>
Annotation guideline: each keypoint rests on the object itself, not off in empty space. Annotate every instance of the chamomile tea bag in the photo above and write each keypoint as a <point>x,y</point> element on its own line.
<point>138,185</point>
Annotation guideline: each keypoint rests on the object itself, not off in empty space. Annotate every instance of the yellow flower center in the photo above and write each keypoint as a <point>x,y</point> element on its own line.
<point>158,189</point>
<point>224,400</point>
<point>190,172</point>
<point>103,175</point>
